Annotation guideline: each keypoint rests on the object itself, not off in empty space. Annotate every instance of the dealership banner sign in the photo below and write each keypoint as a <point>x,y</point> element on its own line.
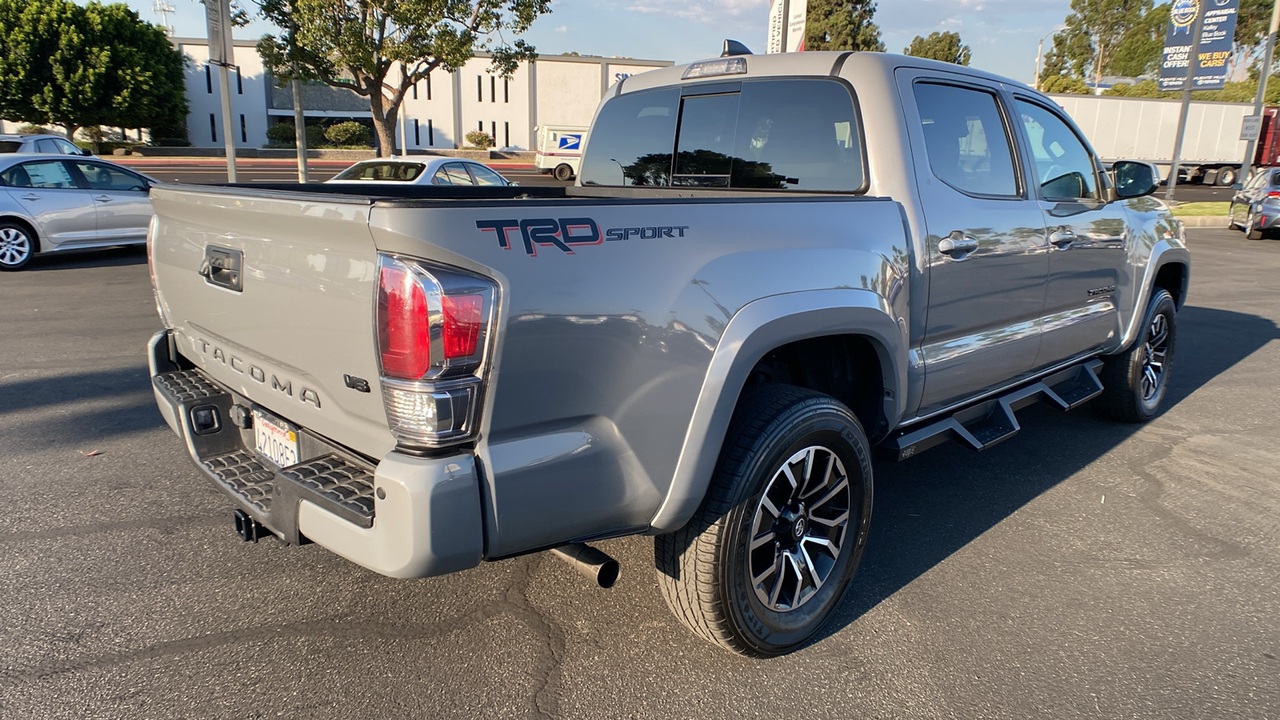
<point>787,25</point>
<point>1217,34</point>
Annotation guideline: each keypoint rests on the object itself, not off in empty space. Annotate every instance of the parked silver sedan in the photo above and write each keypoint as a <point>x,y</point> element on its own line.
<point>57,204</point>
<point>52,144</point>
<point>425,170</point>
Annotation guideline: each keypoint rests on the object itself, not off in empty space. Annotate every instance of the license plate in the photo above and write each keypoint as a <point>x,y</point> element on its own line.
<point>275,439</point>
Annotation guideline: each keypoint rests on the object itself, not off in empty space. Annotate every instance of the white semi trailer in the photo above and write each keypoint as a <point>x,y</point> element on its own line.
<point>1146,128</point>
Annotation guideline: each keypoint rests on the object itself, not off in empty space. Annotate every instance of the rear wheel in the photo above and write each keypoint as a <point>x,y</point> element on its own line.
<point>768,556</point>
<point>563,172</point>
<point>1135,381</point>
<point>17,245</point>
<point>1226,176</point>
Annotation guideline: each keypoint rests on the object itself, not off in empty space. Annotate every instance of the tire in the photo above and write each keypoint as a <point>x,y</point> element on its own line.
<point>1231,218</point>
<point>1251,230</point>
<point>17,245</point>
<point>1226,176</point>
<point>705,569</point>
<point>1135,381</point>
<point>563,172</point>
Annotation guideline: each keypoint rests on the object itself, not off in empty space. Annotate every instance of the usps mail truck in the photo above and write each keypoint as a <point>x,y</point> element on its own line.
<point>560,150</point>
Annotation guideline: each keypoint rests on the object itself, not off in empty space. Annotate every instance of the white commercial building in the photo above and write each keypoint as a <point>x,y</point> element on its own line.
<point>438,112</point>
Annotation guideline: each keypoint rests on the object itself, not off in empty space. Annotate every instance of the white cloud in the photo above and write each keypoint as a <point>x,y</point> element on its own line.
<point>562,29</point>
<point>706,11</point>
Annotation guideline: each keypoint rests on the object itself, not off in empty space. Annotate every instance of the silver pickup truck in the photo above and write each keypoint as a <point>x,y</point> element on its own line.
<point>771,266</point>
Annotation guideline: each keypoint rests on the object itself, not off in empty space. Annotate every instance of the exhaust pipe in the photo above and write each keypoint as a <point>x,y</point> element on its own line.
<point>591,562</point>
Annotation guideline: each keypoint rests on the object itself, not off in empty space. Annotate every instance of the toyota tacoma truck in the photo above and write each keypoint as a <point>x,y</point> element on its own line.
<point>770,268</point>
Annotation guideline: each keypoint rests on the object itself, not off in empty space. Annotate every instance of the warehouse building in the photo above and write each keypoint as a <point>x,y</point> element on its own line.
<point>438,112</point>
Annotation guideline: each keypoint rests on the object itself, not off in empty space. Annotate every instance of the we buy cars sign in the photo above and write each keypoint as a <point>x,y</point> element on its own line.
<point>1217,33</point>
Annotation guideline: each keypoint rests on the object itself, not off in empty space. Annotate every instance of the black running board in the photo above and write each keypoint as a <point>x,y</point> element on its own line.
<point>994,420</point>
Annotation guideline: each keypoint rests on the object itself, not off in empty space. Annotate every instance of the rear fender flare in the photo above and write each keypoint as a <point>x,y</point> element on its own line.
<point>757,328</point>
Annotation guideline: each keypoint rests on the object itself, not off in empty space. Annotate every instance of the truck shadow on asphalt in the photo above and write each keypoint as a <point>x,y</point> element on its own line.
<point>933,505</point>
<point>93,406</point>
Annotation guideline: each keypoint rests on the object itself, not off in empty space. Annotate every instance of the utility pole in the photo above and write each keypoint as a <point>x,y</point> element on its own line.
<point>1246,165</point>
<point>1040,54</point>
<point>300,131</point>
<point>221,53</point>
<point>1193,61</point>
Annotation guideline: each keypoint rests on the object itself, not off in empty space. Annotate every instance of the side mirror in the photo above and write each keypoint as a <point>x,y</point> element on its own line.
<point>1133,179</point>
<point>86,152</point>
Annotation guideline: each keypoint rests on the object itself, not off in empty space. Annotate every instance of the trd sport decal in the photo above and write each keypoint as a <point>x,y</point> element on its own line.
<point>568,233</point>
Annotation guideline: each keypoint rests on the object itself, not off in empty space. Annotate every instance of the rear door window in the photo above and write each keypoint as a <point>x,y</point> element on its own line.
<point>966,139</point>
<point>457,174</point>
<point>47,174</point>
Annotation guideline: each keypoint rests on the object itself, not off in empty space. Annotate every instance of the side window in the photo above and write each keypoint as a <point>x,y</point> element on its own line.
<point>45,145</point>
<point>102,177</point>
<point>632,140</point>
<point>966,139</point>
<point>1063,165</point>
<point>457,174</point>
<point>48,174</point>
<point>440,178</point>
<point>66,148</point>
<point>485,176</point>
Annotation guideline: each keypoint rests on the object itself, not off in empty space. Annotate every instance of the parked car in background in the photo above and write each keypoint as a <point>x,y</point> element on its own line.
<point>53,144</point>
<point>53,204</point>
<point>1258,203</point>
<point>428,171</point>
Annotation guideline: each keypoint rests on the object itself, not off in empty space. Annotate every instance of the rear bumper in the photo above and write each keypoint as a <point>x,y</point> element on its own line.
<point>404,516</point>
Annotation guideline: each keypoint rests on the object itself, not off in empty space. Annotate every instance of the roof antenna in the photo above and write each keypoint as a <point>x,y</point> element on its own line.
<point>733,47</point>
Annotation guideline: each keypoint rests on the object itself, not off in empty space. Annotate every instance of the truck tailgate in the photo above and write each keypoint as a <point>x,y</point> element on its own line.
<point>284,311</point>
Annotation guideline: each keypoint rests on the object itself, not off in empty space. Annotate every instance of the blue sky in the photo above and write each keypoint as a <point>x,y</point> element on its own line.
<point>1002,33</point>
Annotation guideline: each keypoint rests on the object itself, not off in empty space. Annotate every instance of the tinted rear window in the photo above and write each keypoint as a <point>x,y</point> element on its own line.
<point>9,146</point>
<point>792,134</point>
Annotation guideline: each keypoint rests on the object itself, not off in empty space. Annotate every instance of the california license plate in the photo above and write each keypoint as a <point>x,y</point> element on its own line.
<point>275,439</point>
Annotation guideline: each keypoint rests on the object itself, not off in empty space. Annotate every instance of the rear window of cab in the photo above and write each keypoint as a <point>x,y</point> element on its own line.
<point>793,134</point>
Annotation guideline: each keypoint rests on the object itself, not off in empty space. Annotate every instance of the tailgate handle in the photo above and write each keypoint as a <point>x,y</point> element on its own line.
<point>221,267</point>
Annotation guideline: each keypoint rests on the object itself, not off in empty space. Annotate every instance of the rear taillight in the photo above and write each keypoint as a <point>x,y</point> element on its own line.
<point>1273,194</point>
<point>433,337</point>
<point>404,336</point>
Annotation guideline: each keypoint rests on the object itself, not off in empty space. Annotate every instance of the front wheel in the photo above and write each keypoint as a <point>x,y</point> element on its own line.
<point>1251,229</point>
<point>1135,381</point>
<point>768,556</point>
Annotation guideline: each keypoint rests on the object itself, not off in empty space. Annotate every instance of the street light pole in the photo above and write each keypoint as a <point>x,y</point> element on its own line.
<point>1040,53</point>
<point>1246,165</point>
<point>1193,61</point>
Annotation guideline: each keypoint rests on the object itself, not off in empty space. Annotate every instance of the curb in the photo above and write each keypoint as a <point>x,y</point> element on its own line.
<point>1204,221</point>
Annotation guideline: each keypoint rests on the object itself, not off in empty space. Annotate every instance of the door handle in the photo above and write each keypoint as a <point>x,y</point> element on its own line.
<point>103,198</point>
<point>1062,237</point>
<point>31,196</point>
<point>957,245</point>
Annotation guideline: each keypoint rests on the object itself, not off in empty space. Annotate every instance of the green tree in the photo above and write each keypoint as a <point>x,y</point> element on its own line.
<point>1094,33</point>
<point>1064,84</point>
<point>842,25</point>
<point>1142,46</point>
<point>944,46</point>
<point>78,65</point>
<point>380,48</point>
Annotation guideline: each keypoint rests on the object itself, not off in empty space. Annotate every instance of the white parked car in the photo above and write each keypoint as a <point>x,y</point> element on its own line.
<point>39,144</point>
<point>436,170</point>
<point>59,203</point>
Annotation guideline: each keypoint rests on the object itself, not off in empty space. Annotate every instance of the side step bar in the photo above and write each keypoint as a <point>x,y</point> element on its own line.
<point>993,421</point>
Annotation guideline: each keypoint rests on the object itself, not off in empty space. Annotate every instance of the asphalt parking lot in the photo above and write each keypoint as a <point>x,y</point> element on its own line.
<point>1082,569</point>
